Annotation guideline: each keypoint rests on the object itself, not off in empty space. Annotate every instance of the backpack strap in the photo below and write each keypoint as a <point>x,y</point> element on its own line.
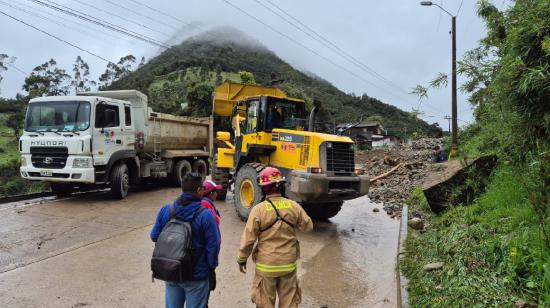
<point>279,217</point>
<point>197,212</point>
<point>172,211</point>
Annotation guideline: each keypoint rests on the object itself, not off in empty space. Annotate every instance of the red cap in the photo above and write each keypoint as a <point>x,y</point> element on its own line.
<point>209,186</point>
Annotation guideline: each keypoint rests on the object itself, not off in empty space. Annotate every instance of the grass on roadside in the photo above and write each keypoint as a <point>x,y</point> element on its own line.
<point>492,250</point>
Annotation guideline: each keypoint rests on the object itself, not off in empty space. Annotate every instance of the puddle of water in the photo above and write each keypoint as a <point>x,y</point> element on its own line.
<point>356,267</point>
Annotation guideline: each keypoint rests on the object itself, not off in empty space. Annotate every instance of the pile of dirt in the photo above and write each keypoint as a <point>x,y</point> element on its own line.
<point>415,161</point>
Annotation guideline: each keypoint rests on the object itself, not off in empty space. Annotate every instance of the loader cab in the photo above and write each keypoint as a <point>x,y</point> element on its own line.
<point>264,113</point>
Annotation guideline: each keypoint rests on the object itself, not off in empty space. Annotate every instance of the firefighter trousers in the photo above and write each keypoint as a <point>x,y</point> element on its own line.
<point>266,289</point>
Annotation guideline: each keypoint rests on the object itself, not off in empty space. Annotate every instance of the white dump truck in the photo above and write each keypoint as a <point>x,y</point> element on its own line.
<point>109,138</point>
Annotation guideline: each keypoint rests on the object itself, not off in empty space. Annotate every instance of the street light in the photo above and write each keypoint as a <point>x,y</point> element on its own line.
<point>453,80</point>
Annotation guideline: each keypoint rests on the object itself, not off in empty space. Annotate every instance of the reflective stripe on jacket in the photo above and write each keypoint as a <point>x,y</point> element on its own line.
<point>277,248</point>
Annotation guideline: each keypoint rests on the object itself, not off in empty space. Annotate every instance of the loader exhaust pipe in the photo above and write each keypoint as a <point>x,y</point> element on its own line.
<point>311,126</point>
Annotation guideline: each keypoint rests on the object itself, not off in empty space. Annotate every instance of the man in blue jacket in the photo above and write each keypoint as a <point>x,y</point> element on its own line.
<point>206,245</point>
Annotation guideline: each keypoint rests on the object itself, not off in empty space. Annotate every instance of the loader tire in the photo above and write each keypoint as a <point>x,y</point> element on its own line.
<point>221,176</point>
<point>62,189</point>
<point>120,181</point>
<point>181,169</point>
<point>199,166</point>
<point>247,190</point>
<point>322,211</point>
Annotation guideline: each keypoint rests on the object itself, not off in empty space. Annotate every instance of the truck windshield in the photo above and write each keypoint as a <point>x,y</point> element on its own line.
<point>285,114</point>
<point>56,116</point>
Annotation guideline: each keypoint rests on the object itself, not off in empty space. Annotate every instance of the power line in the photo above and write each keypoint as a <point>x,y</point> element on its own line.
<point>122,18</point>
<point>17,68</point>
<point>99,22</point>
<point>458,12</point>
<point>35,14</point>
<point>140,14</point>
<point>302,45</point>
<point>167,15</point>
<point>334,47</point>
<point>56,37</point>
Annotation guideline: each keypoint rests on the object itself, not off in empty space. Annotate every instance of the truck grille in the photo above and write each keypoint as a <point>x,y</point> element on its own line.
<point>49,157</point>
<point>340,158</point>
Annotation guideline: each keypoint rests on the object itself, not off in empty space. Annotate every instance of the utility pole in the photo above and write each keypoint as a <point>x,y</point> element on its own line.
<point>454,148</point>
<point>448,118</point>
<point>454,113</point>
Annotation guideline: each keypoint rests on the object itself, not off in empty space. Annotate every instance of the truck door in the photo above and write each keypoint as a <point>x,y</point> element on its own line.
<point>107,138</point>
<point>128,132</point>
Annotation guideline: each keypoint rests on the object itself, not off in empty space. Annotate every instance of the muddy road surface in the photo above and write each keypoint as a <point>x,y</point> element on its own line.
<point>92,251</point>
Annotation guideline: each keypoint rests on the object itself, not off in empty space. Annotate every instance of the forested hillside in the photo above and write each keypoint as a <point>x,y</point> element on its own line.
<point>187,74</point>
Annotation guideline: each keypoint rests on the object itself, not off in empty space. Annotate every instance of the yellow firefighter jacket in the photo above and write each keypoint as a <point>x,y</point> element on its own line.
<point>278,248</point>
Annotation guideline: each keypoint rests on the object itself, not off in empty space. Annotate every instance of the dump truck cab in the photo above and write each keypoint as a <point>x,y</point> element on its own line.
<point>271,129</point>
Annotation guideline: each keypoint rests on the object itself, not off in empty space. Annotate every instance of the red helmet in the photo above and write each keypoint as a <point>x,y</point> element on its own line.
<point>270,176</point>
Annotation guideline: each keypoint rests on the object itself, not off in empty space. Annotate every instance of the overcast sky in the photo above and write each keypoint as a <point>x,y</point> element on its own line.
<point>400,40</point>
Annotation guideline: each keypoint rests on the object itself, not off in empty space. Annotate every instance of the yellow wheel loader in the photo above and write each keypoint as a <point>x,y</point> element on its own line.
<point>269,129</point>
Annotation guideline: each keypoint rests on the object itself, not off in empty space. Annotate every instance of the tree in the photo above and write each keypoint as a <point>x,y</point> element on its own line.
<point>15,122</point>
<point>247,78</point>
<point>47,79</point>
<point>3,67</point>
<point>141,62</point>
<point>81,81</point>
<point>114,72</point>
<point>219,79</point>
<point>125,65</point>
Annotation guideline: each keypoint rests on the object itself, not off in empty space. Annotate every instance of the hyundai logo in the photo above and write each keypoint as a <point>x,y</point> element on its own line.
<point>48,160</point>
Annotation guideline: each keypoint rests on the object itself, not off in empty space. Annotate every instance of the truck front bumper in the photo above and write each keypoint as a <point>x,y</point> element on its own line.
<point>66,174</point>
<point>311,187</point>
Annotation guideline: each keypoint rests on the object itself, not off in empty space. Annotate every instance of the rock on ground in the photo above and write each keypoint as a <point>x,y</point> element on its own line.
<point>416,223</point>
<point>433,266</point>
<point>394,190</point>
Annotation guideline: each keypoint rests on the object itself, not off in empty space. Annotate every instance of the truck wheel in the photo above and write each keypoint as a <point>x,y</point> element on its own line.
<point>120,181</point>
<point>247,190</point>
<point>322,211</point>
<point>62,189</point>
<point>220,176</point>
<point>181,169</point>
<point>200,166</point>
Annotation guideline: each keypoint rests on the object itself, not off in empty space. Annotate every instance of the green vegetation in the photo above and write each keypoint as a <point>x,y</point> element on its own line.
<point>11,182</point>
<point>177,71</point>
<point>491,250</point>
<point>497,249</point>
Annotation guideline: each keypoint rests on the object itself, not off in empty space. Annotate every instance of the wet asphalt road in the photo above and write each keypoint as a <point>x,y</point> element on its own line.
<point>92,251</point>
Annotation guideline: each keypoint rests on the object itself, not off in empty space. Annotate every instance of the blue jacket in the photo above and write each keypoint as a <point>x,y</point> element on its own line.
<point>206,237</point>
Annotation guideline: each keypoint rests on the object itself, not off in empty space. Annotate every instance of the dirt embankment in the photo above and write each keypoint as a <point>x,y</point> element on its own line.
<point>415,161</point>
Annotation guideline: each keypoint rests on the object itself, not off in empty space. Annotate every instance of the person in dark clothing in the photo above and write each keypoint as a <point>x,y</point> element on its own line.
<point>439,154</point>
<point>210,193</point>
<point>274,118</point>
<point>206,245</point>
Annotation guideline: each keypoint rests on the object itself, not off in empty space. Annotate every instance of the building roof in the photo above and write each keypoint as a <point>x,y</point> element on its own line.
<point>361,125</point>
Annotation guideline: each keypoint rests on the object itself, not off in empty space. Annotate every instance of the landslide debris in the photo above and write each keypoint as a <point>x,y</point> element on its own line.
<point>416,161</point>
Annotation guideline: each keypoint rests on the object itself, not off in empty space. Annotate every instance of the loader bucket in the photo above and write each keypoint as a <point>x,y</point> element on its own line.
<point>228,94</point>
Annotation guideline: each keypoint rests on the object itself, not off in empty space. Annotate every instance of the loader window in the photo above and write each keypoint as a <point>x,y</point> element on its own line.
<point>252,116</point>
<point>285,114</point>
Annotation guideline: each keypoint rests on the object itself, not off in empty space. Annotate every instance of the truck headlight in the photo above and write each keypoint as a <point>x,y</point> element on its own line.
<point>23,161</point>
<point>81,163</point>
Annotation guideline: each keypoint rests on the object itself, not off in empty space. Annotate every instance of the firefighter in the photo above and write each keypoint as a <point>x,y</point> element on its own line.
<point>272,224</point>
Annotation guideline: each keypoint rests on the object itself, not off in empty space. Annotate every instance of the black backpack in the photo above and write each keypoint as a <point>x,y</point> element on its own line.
<point>172,258</point>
